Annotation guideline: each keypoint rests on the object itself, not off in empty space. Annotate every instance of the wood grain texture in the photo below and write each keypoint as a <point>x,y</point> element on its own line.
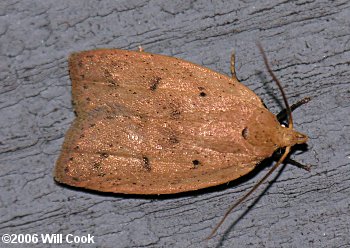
<point>309,49</point>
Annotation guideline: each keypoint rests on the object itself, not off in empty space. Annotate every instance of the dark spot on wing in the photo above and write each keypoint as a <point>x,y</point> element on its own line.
<point>146,163</point>
<point>175,114</point>
<point>202,91</point>
<point>104,155</point>
<point>245,133</point>
<point>173,139</point>
<point>154,83</point>
<point>109,78</point>
<point>195,163</point>
<point>97,165</point>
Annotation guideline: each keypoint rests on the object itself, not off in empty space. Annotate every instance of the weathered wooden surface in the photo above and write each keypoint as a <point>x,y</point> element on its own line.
<point>308,44</point>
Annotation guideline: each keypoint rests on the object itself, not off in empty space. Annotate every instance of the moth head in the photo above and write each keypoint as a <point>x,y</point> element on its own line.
<point>291,137</point>
<point>264,130</point>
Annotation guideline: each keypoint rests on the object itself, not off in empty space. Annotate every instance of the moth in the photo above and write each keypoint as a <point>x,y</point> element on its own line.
<point>153,124</point>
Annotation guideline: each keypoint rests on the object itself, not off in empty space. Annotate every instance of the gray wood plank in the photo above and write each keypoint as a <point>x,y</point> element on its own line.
<point>308,45</point>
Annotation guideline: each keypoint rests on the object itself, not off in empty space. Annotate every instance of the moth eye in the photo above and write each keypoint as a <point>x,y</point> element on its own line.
<point>245,133</point>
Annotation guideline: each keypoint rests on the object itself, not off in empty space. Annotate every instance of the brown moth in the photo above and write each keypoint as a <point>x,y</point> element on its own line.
<point>153,124</point>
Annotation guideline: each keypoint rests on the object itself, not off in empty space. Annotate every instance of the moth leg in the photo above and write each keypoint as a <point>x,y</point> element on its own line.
<point>233,61</point>
<point>297,164</point>
<point>288,160</point>
<point>283,114</point>
<point>141,49</point>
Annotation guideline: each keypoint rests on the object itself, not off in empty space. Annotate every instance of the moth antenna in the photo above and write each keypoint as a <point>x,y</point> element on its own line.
<point>289,112</point>
<point>285,154</point>
<point>280,161</point>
